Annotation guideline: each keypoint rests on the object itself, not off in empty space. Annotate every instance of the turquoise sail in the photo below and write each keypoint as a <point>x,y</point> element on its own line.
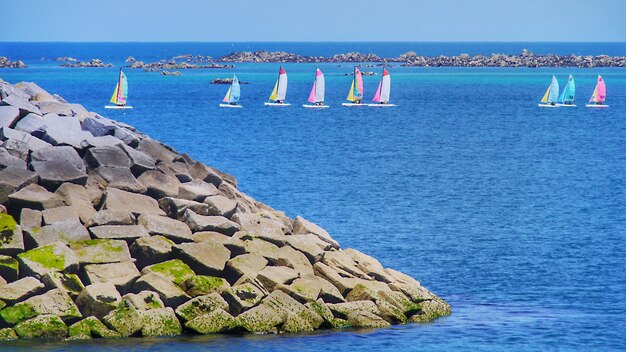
<point>235,90</point>
<point>569,92</point>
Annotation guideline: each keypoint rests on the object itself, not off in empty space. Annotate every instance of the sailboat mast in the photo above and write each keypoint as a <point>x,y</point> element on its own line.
<point>119,87</point>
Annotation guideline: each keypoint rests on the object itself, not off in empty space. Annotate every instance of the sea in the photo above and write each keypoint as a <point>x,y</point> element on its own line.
<point>514,214</point>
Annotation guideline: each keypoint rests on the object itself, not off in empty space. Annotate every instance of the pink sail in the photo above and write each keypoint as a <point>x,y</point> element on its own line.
<point>359,82</point>
<point>377,95</point>
<point>312,95</point>
<point>601,90</point>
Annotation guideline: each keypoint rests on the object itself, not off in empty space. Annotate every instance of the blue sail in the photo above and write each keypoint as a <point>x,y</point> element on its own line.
<point>235,90</point>
<point>568,92</point>
<point>554,91</point>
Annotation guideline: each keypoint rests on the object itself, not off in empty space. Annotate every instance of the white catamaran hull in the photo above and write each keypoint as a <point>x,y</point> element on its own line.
<point>566,105</point>
<point>352,104</point>
<point>118,107</point>
<point>308,106</point>
<point>547,106</point>
<point>230,106</point>
<point>276,104</point>
<point>382,105</point>
<point>599,106</point>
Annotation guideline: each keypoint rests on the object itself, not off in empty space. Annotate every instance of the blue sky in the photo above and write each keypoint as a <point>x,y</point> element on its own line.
<point>314,20</point>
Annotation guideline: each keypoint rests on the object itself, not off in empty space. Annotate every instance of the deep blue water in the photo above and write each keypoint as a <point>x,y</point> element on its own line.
<point>515,215</point>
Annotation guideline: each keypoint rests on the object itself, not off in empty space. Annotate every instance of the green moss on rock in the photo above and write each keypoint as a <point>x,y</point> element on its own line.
<point>125,319</point>
<point>17,313</point>
<point>198,285</point>
<point>431,310</point>
<point>9,268</point>
<point>91,327</point>
<point>175,270</point>
<point>43,326</point>
<point>7,334</point>
<point>46,257</point>
<point>7,224</point>
<point>160,322</point>
<point>216,321</point>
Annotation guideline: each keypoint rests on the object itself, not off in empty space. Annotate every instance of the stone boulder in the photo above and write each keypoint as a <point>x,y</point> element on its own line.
<point>9,268</point>
<point>78,197</point>
<point>117,177</point>
<point>107,156</point>
<point>200,306</point>
<point>151,250</point>
<point>139,162</point>
<point>158,184</point>
<point>21,103</point>
<point>209,223</point>
<point>175,207</point>
<point>271,276</point>
<point>218,320</point>
<point>55,302</point>
<point>98,299</point>
<point>160,322</point>
<point>125,319</point>
<point>42,327</point>
<point>20,290</point>
<point>101,251</point>
<point>42,260</point>
<point>170,294</point>
<point>31,124</point>
<point>123,274</point>
<point>68,283</point>
<point>35,197</point>
<point>11,238</point>
<point>119,232</point>
<point>56,165</point>
<point>91,327</point>
<point>174,270</point>
<point>54,107</point>
<point>221,206</point>
<point>243,297</point>
<point>63,232</point>
<point>199,285</point>
<point>175,230</point>
<point>302,226</point>
<point>8,115</point>
<point>62,214</point>
<point>111,217</point>
<point>115,199</point>
<point>196,190</point>
<point>156,150</point>
<point>144,300</point>
<point>205,258</point>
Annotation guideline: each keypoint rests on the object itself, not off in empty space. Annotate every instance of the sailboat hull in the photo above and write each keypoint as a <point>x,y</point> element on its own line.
<point>547,106</point>
<point>382,105</point>
<point>352,104</point>
<point>566,105</point>
<point>309,106</point>
<point>118,107</point>
<point>230,106</point>
<point>598,106</point>
<point>277,104</point>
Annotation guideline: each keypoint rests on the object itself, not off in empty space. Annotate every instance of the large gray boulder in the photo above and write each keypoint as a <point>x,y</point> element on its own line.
<point>98,299</point>
<point>119,232</point>
<point>302,226</point>
<point>8,115</point>
<point>125,319</point>
<point>115,199</point>
<point>175,230</point>
<point>120,178</point>
<point>209,223</point>
<point>244,265</point>
<point>160,322</point>
<point>31,123</point>
<point>35,197</point>
<point>20,290</point>
<point>123,274</point>
<point>32,142</point>
<point>170,294</point>
<point>21,103</point>
<point>54,107</point>
<point>8,160</point>
<point>55,257</point>
<point>65,213</point>
<point>221,206</point>
<point>98,125</point>
<point>56,165</point>
<point>65,130</point>
<point>42,327</point>
<point>205,258</point>
<point>140,162</point>
<point>156,150</point>
<point>55,302</point>
<point>12,240</point>
<point>262,226</point>
<point>78,197</point>
<point>16,148</point>
<point>111,217</point>
<point>107,156</point>
<point>12,179</point>
<point>59,232</point>
<point>101,251</point>
<point>175,207</point>
<point>197,190</point>
<point>158,184</point>
<point>151,250</point>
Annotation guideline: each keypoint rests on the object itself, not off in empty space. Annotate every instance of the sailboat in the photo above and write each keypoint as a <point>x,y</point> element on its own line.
<point>232,96</point>
<point>356,90</point>
<point>552,94</point>
<point>277,98</point>
<point>381,98</point>
<point>567,97</point>
<point>599,94</point>
<point>120,94</point>
<point>316,98</point>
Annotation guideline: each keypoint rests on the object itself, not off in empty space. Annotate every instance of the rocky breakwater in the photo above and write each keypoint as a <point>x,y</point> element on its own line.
<point>281,56</point>
<point>5,62</point>
<point>92,63</point>
<point>172,64</point>
<point>105,232</point>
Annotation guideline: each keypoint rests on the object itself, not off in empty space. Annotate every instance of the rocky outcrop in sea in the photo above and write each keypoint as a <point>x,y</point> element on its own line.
<point>525,59</point>
<point>5,62</point>
<point>173,64</point>
<point>225,81</point>
<point>91,63</point>
<point>105,232</point>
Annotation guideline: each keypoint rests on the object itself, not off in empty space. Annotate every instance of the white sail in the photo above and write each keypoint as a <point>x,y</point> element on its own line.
<point>385,89</point>
<point>281,94</point>
<point>319,87</point>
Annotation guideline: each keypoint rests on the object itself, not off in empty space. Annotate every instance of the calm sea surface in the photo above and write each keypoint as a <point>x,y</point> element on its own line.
<point>515,215</point>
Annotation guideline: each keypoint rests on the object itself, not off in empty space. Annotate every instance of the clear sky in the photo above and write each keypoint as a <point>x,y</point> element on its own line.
<point>313,20</point>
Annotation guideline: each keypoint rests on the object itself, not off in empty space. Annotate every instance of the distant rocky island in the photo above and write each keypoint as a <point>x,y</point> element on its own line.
<point>108,233</point>
<point>182,62</point>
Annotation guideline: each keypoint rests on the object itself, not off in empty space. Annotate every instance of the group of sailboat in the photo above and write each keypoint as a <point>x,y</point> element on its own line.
<point>316,97</point>
<point>552,99</point>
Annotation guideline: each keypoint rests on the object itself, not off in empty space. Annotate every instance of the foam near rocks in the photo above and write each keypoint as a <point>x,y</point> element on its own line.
<point>105,232</point>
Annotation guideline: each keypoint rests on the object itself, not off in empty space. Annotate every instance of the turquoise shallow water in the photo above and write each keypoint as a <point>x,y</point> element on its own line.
<point>513,214</point>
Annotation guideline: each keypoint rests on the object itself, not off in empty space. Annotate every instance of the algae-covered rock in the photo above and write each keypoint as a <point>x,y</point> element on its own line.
<point>11,238</point>
<point>244,265</point>
<point>242,297</point>
<point>198,285</point>
<point>216,321</point>
<point>160,322</point>
<point>169,293</point>
<point>260,319</point>
<point>304,289</point>
<point>55,302</point>
<point>174,270</point>
<point>144,300</point>
<point>8,334</point>
<point>98,299</point>
<point>55,257</point>
<point>125,319</point>
<point>42,327</point>
<point>68,283</point>
<point>205,258</point>
<point>330,321</point>
<point>9,268</point>
<point>271,276</point>
<point>101,251</point>
<point>366,319</point>
<point>201,305</point>
<point>284,305</point>
<point>91,327</point>
<point>14,314</point>
<point>431,310</point>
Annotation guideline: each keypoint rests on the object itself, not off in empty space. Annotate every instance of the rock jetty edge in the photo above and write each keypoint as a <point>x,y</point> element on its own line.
<point>107,233</point>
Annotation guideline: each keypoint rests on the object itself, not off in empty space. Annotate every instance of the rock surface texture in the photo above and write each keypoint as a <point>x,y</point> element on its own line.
<point>173,247</point>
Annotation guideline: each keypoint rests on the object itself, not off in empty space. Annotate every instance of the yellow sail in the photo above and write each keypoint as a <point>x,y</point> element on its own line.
<point>274,92</point>
<point>594,97</point>
<point>114,97</point>
<point>545,96</point>
<point>351,94</point>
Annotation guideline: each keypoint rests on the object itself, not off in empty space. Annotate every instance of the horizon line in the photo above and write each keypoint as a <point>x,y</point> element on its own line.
<point>319,41</point>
